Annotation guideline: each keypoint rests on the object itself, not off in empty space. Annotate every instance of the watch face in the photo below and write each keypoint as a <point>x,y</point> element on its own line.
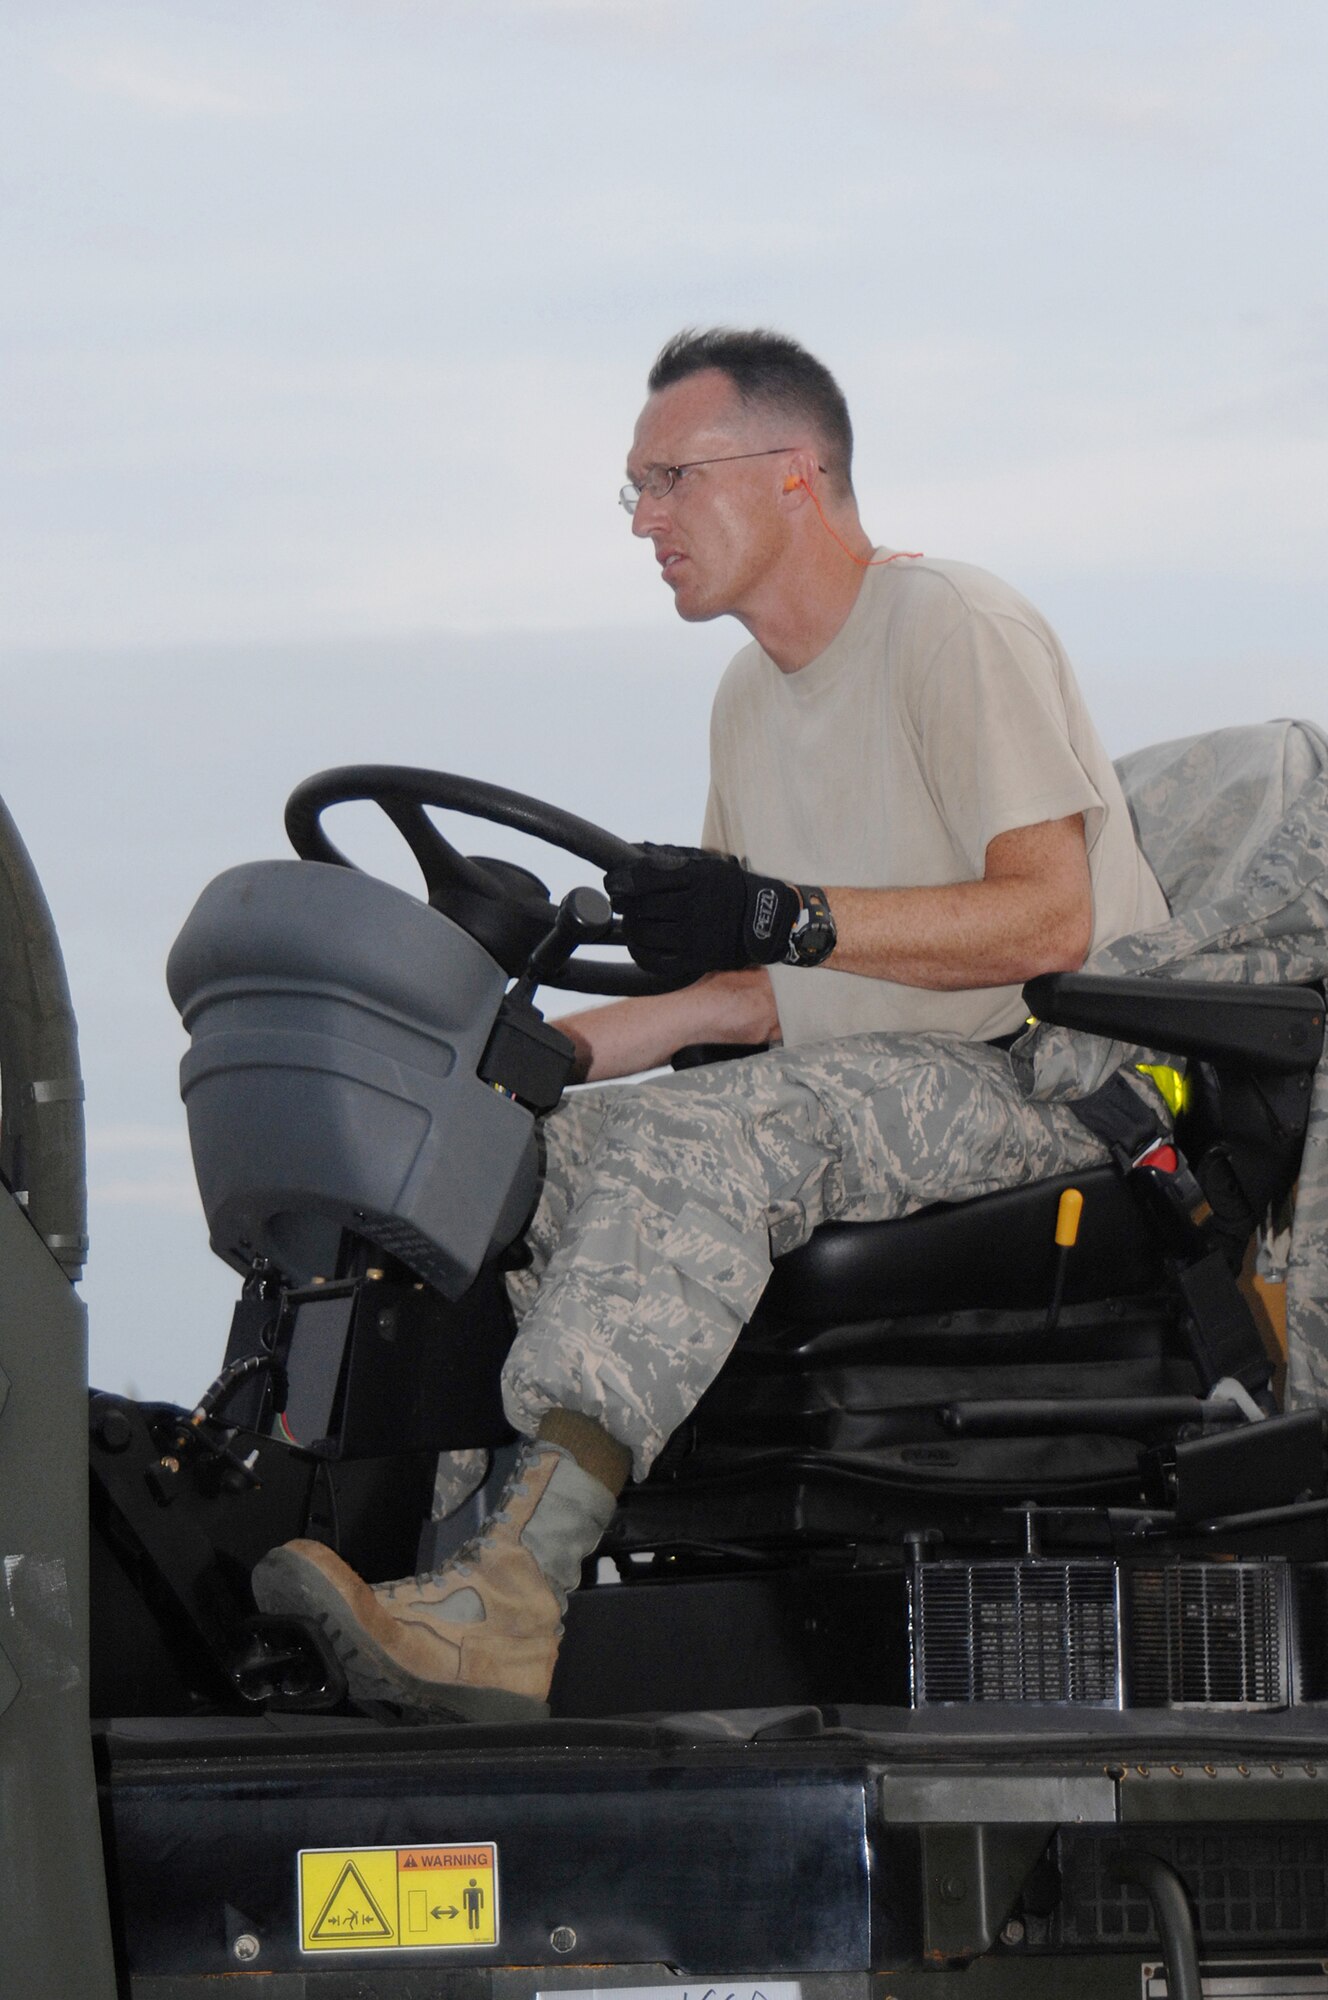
<point>814,944</point>
<point>814,936</point>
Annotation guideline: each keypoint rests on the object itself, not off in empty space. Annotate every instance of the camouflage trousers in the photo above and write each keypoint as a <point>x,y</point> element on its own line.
<point>663,1204</point>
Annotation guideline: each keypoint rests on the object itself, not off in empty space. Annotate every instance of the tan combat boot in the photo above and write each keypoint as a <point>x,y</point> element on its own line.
<point>477,1640</point>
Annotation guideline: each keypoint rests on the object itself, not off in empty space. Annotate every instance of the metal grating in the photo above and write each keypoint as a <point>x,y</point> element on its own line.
<point>1245,1884</point>
<point>1016,1630</point>
<point>1209,1633</point>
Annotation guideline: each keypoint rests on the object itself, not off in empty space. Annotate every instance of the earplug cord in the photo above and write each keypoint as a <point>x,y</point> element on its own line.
<point>863,562</point>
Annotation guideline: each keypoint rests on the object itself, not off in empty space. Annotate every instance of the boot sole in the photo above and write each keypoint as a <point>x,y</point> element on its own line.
<point>286,1583</point>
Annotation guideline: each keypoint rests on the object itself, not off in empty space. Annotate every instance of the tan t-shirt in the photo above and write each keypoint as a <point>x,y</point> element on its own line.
<point>943,713</point>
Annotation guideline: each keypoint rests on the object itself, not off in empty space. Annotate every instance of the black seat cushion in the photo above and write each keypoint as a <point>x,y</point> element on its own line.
<point>997,1251</point>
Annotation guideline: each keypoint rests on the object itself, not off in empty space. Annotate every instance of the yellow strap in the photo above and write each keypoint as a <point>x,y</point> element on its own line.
<point>1174,1087</point>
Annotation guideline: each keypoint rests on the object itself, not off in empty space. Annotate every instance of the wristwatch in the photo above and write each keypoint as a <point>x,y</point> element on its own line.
<point>814,936</point>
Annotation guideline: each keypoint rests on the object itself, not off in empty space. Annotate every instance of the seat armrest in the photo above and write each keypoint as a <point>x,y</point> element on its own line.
<point>1260,1027</point>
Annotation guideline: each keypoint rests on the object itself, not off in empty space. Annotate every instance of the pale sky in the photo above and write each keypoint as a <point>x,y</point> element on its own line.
<point>325,326</point>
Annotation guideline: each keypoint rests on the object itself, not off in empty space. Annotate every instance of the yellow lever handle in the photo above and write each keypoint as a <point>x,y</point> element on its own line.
<point>1068,1211</point>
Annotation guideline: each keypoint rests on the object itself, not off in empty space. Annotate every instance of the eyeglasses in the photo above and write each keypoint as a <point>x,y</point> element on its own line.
<point>660,478</point>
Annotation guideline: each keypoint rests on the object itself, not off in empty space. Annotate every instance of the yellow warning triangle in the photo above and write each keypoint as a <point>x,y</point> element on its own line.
<point>350,1911</point>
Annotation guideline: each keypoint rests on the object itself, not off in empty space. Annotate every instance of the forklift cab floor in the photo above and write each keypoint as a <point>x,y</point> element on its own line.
<point>1023,1729</point>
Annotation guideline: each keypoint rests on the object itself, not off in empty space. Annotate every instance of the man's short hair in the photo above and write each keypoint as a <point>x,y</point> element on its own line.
<point>770,370</point>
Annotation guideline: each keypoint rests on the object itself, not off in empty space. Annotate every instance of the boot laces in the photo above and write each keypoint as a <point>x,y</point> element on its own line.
<point>464,1560</point>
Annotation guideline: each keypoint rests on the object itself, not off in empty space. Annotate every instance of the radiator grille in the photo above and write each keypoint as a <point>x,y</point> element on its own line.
<point>1029,1629</point>
<point>1209,1633</point>
<point>1018,1630</point>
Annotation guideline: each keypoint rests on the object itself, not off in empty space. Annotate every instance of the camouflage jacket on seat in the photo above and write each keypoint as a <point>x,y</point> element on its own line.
<point>1235,827</point>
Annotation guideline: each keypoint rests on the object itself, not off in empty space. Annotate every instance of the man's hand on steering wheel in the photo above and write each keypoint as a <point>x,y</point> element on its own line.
<point>686,912</point>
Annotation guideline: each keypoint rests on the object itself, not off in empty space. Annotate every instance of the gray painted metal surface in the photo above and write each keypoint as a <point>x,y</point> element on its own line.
<point>998,1797</point>
<point>337,1028</point>
<point>54,1933</point>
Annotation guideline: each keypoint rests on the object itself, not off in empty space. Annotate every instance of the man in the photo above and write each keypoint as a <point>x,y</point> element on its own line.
<point>926,819</point>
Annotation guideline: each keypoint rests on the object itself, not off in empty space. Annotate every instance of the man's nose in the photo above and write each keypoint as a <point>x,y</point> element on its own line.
<point>650,515</point>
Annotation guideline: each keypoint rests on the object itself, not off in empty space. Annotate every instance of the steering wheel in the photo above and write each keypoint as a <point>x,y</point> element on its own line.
<point>503,906</point>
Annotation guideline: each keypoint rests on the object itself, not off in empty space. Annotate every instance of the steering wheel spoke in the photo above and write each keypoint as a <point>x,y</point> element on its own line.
<point>442,867</point>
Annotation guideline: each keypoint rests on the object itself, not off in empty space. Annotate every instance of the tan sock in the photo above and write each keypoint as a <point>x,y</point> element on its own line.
<point>590,1445</point>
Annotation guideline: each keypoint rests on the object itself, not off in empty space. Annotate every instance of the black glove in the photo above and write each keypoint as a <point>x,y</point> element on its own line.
<point>686,912</point>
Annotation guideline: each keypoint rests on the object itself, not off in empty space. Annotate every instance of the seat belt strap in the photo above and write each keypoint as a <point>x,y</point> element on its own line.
<point>1123,1118</point>
<point>1217,1326</point>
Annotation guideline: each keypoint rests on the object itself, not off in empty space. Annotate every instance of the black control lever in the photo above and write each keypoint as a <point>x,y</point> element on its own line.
<point>585,916</point>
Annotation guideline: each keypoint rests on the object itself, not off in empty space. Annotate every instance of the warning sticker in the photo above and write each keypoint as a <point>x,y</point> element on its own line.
<point>398,1898</point>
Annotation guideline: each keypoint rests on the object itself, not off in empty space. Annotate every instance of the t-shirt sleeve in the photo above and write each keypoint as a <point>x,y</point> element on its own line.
<point>718,832</point>
<point>994,736</point>
<point>714,827</point>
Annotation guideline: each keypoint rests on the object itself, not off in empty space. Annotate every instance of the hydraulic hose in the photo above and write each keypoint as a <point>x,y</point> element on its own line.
<point>1175,1925</point>
<point>42,1153</point>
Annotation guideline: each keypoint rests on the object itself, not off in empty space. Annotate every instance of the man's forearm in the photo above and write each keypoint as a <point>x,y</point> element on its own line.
<point>629,1036</point>
<point>970,934</point>
<point>1032,912</point>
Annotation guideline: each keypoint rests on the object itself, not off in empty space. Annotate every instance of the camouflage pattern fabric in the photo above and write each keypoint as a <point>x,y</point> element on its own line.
<point>663,1204</point>
<point>1235,827</point>
<point>457,1475</point>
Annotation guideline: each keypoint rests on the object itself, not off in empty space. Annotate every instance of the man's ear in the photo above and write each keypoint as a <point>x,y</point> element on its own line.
<point>801,474</point>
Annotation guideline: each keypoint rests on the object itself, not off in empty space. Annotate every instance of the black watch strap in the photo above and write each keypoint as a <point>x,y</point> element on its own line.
<point>813,937</point>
